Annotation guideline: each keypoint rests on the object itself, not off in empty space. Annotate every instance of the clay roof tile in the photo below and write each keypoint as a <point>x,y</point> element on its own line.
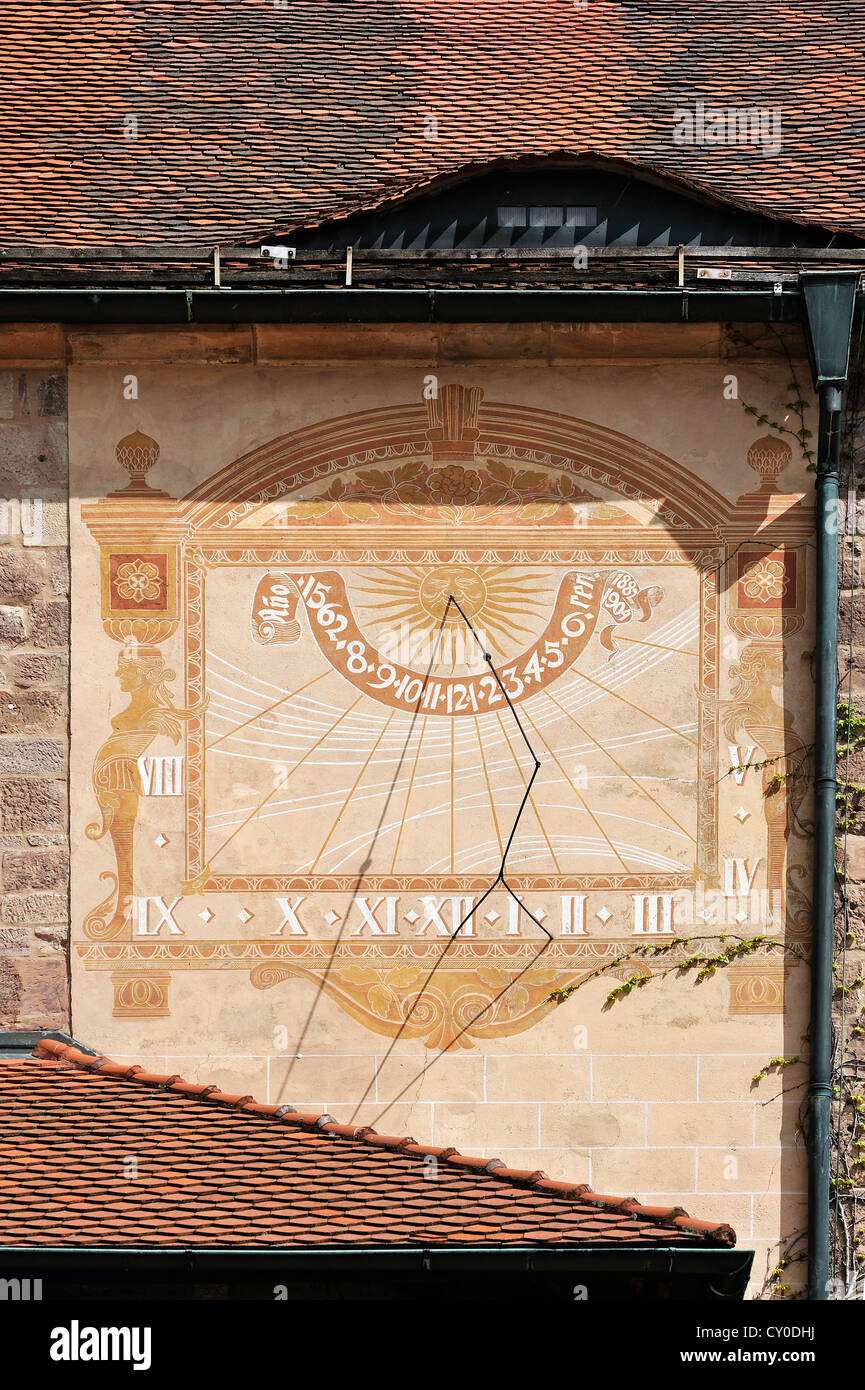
<point>304,1178</point>
<point>323,119</point>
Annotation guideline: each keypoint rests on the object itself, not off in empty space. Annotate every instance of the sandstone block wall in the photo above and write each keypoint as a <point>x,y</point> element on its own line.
<point>34,671</point>
<point>639,1127</point>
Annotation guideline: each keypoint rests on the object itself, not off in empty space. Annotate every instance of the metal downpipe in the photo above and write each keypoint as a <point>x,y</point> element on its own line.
<point>825,786</point>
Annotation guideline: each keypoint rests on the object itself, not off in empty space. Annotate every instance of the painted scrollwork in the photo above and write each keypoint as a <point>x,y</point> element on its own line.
<point>455,1006</point>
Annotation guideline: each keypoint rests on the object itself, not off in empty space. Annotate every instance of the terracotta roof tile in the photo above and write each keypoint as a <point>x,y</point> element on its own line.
<point>252,118</point>
<point>217,1169</point>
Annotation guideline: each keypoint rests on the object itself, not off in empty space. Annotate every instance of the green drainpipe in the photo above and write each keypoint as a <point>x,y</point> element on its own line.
<point>829,301</point>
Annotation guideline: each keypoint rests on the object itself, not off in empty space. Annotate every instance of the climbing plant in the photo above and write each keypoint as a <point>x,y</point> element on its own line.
<point>797,405</point>
<point>701,957</point>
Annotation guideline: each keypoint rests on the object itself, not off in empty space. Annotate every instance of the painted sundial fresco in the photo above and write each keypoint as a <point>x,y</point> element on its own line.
<point>354,762</point>
<point>333,662</point>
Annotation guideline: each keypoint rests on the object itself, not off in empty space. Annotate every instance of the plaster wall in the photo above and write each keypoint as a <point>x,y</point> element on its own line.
<point>282,926</point>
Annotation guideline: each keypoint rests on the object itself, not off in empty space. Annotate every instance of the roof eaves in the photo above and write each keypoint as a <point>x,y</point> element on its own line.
<point>21,1043</point>
<point>67,1053</point>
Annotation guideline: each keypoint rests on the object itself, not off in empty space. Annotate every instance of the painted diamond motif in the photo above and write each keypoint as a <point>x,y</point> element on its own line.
<point>540,914</point>
<point>207,916</point>
<point>244,916</point>
<point>604,915</point>
<point>741,917</point>
<point>491,917</point>
<point>742,815</point>
<point>331,917</point>
<point>412,917</point>
<point>161,840</point>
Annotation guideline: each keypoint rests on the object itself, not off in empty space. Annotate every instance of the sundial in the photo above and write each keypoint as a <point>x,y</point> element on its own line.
<point>328,650</point>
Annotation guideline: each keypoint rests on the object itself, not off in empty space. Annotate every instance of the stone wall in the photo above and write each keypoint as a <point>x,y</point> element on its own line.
<point>655,1097</point>
<point>665,1124</point>
<point>34,665</point>
<point>847,1018</point>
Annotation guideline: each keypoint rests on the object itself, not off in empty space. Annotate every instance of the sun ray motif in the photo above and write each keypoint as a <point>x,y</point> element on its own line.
<point>450,783</point>
<point>408,603</point>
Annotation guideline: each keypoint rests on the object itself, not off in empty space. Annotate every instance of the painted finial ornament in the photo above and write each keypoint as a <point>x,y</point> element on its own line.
<point>137,453</point>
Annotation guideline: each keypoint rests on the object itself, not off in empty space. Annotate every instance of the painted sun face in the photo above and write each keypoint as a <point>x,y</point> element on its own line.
<point>457,581</point>
<point>504,605</point>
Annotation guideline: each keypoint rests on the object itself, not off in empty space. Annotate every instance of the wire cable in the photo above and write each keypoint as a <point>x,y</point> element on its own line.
<point>499,880</point>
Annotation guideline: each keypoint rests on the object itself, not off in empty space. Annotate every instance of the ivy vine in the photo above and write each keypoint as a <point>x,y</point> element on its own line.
<point>702,964</point>
<point>797,405</point>
<point>849,1071</point>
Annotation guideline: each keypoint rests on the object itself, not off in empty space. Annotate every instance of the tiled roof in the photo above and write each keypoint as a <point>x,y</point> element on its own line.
<point>97,1154</point>
<point>130,122</point>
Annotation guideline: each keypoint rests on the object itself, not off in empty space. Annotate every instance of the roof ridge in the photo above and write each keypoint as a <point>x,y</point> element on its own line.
<point>50,1050</point>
